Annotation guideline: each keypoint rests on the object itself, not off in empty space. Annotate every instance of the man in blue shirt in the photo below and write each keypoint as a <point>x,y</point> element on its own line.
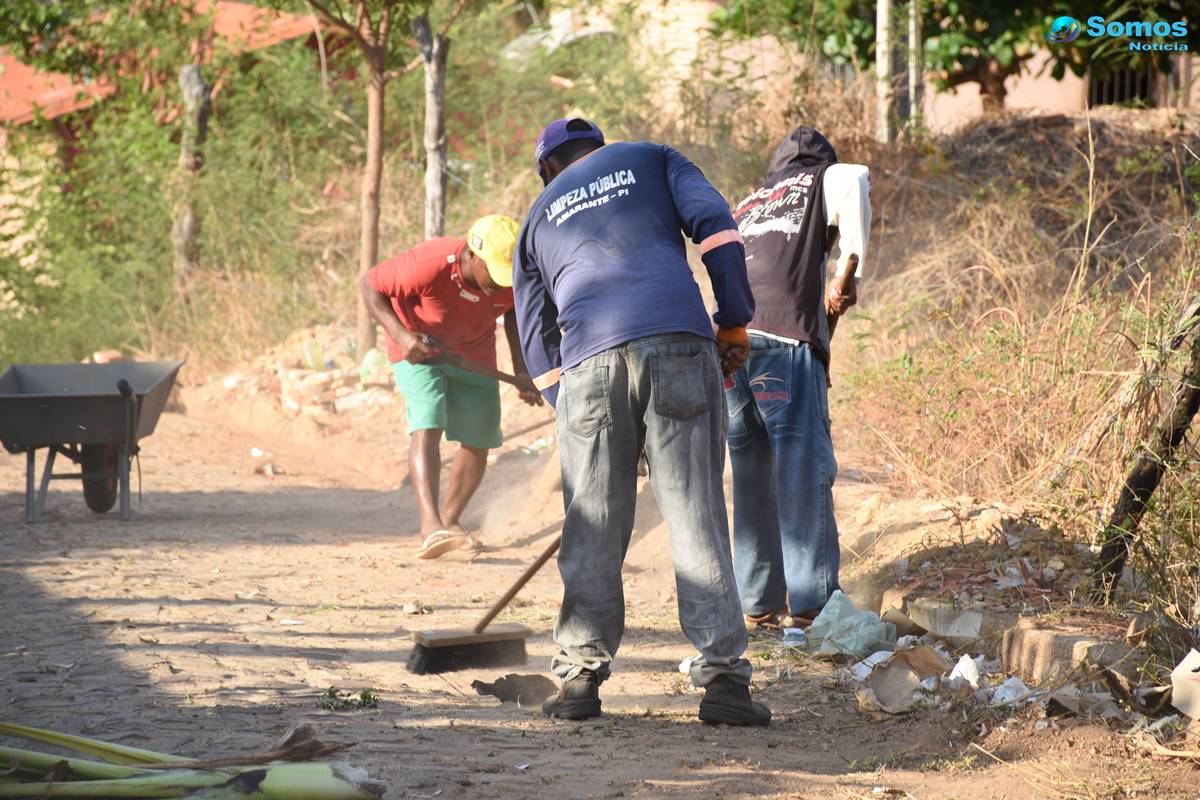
<point>613,325</point>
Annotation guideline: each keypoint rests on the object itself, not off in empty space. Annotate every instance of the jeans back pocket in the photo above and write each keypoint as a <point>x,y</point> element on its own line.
<point>583,400</point>
<point>680,385</point>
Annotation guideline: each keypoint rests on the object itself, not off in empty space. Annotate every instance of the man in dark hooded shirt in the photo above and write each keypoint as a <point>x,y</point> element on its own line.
<point>785,537</point>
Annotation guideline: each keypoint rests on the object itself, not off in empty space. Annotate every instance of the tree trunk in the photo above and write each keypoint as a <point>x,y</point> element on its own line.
<point>991,87</point>
<point>186,229</point>
<point>916,65</point>
<point>885,93</point>
<point>372,177</point>
<point>1144,478</point>
<point>434,50</point>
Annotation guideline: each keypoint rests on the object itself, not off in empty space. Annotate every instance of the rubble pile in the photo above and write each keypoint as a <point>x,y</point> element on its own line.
<point>315,373</point>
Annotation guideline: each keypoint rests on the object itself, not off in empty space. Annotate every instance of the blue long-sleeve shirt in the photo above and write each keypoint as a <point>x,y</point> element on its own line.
<point>601,260</point>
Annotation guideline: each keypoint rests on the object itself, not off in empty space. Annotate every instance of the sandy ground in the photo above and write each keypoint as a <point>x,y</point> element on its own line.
<point>216,618</point>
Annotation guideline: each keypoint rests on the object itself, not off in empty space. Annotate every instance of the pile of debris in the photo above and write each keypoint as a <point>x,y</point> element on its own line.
<point>895,674</point>
<point>315,373</point>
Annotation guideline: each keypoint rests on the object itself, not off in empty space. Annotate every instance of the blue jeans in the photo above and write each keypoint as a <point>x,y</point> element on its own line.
<point>785,539</point>
<point>661,393</point>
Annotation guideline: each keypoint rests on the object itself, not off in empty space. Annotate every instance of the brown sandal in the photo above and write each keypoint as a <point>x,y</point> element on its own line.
<point>772,620</point>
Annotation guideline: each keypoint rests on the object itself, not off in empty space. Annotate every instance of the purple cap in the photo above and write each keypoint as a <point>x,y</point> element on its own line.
<point>556,133</point>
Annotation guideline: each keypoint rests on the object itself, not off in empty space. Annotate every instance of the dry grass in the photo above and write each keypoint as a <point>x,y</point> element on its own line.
<point>1022,341</point>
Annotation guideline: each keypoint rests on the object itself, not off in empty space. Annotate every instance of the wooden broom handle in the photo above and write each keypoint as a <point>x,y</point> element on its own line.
<point>499,605</point>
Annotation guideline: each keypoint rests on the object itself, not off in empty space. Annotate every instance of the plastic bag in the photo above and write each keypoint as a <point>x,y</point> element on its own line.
<point>843,629</point>
<point>375,369</point>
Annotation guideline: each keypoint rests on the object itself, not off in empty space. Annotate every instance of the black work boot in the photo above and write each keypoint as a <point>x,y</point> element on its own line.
<point>727,701</point>
<point>579,698</point>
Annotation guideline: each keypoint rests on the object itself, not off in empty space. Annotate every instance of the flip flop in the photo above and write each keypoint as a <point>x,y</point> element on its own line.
<point>439,543</point>
<point>470,542</point>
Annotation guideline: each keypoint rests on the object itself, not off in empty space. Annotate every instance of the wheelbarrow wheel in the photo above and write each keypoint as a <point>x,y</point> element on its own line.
<point>100,493</point>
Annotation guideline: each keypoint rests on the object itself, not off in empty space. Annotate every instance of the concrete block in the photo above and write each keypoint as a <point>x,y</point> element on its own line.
<point>959,626</point>
<point>1041,655</point>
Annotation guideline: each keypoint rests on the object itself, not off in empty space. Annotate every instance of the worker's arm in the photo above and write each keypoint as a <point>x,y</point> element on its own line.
<point>537,321</point>
<point>416,349</point>
<point>846,193</point>
<point>706,219</point>
<point>529,395</point>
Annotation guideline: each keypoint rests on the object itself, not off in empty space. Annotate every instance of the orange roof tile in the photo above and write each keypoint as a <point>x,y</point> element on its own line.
<point>25,92</point>
<point>253,28</point>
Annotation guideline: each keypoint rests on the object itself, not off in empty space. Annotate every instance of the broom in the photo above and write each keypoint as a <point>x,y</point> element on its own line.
<point>481,646</point>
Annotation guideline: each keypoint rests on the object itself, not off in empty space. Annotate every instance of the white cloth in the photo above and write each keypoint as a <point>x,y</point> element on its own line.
<point>847,195</point>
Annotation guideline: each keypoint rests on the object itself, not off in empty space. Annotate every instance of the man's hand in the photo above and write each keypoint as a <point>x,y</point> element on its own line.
<point>422,349</point>
<point>733,348</point>
<point>528,392</point>
<point>732,356</point>
<point>841,294</point>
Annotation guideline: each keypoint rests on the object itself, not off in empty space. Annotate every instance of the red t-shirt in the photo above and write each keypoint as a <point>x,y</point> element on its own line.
<point>430,296</point>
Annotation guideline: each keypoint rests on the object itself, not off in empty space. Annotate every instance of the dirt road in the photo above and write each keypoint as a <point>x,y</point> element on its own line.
<point>220,613</point>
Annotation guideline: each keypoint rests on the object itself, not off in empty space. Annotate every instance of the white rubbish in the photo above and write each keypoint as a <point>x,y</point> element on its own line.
<point>290,622</point>
<point>522,766</point>
<point>906,642</point>
<point>965,670</point>
<point>794,637</point>
<point>538,446</point>
<point>1012,579</point>
<point>1185,685</point>
<point>1012,692</point>
<point>1041,725</point>
<point>902,680</point>
<point>257,452</point>
<point>232,381</point>
<point>862,669</point>
<point>843,629</point>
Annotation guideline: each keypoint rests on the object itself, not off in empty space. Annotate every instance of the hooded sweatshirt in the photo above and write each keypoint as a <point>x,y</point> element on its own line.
<point>786,234</point>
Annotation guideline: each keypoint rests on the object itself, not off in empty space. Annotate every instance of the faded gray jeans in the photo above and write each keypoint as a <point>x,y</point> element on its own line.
<point>663,393</point>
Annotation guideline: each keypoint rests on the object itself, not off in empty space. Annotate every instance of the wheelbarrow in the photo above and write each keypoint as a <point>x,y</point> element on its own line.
<point>93,414</point>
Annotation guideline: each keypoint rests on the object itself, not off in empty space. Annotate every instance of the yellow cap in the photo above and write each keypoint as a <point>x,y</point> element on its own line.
<point>493,238</point>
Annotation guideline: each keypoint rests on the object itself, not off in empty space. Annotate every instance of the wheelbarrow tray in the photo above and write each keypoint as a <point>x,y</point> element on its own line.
<point>42,405</point>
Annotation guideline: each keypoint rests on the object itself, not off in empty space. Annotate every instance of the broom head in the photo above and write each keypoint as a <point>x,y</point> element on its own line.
<point>499,645</point>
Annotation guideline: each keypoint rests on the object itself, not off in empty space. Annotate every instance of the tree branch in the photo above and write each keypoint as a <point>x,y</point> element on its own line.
<point>338,22</point>
<point>462,4</point>
<point>407,68</point>
<point>385,27</point>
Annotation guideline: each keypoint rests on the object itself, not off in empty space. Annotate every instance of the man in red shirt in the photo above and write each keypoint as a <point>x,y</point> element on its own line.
<point>439,299</point>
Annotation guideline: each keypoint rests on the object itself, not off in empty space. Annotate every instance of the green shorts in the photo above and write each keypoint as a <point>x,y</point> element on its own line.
<point>463,404</point>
